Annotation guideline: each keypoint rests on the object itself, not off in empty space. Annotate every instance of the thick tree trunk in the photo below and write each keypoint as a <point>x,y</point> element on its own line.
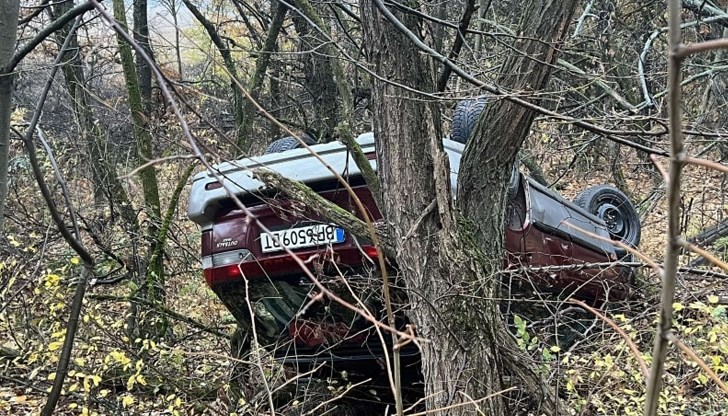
<point>501,129</point>
<point>9,11</point>
<point>439,263</point>
<point>450,264</point>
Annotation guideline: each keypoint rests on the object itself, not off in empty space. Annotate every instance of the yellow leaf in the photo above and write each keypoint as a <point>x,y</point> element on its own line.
<point>52,376</point>
<point>713,299</point>
<point>555,348</point>
<point>55,345</point>
<point>127,401</point>
<point>677,306</point>
<point>75,261</point>
<point>80,362</point>
<point>130,382</point>
<point>104,393</point>
<point>13,241</point>
<point>52,280</point>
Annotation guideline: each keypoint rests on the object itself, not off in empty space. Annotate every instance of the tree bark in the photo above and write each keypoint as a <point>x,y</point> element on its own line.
<point>9,11</point>
<point>438,261</point>
<point>318,73</point>
<point>152,286</point>
<point>499,133</point>
<point>450,263</point>
<point>144,71</point>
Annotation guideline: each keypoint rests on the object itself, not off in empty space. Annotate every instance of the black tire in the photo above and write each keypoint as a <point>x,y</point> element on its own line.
<point>465,117</point>
<point>612,205</point>
<point>288,143</point>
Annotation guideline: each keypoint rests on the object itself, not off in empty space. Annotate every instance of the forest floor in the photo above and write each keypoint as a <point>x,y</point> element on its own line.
<point>186,371</point>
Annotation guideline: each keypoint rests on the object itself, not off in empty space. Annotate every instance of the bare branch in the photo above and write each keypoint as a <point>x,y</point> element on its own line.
<point>694,48</point>
<point>697,360</point>
<point>44,33</point>
<point>630,343</point>
<point>672,249</point>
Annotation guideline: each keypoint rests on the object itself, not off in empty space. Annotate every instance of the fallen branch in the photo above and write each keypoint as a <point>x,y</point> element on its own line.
<point>164,310</point>
<point>300,192</point>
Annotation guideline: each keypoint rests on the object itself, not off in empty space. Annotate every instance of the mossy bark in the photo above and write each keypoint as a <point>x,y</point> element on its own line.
<point>107,186</point>
<point>9,11</point>
<point>152,287</point>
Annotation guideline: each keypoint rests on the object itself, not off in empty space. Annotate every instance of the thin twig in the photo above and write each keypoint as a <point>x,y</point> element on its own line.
<point>471,402</point>
<point>702,252</point>
<point>697,360</point>
<point>630,343</point>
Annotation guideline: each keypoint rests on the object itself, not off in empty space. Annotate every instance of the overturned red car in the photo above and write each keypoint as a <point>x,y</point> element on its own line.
<point>272,298</point>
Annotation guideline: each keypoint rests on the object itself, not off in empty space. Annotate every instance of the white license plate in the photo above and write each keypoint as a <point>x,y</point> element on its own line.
<point>301,237</point>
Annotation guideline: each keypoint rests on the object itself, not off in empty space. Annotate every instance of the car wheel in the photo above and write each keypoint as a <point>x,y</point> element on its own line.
<point>288,143</point>
<point>464,119</point>
<point>612,205</point>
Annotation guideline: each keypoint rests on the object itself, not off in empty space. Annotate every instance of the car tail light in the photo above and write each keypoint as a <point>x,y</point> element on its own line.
<point>370,251</point>
<point>224,266</point>
<point>233,265</point>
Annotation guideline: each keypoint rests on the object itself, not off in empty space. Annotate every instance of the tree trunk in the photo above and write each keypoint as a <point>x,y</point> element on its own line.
<point>450,264</point>
<point>318,73</point>
<point>105,179</point>
<point>261,67</point>
<point>498,135</point>
<point>9,11</point>
<point>242,142</point>
<point>438,263</point>
<point>152,288</point>
<point>144,71</point>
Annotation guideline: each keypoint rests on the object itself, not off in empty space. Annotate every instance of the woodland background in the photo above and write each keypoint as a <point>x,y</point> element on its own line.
<point>153,339</point>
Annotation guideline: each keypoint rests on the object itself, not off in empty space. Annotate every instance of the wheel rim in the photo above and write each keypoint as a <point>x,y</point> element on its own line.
<point>613,215</point>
